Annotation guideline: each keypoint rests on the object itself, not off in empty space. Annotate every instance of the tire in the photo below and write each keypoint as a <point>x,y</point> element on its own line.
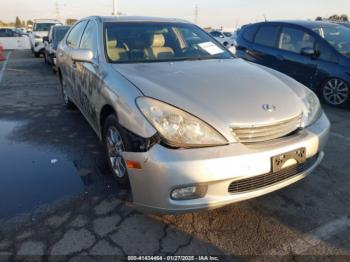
<point>66,100</point>
<point>114,145</point>
<point>335,92</point>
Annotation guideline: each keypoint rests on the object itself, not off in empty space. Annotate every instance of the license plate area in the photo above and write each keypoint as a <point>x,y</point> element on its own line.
<point>281,161</point>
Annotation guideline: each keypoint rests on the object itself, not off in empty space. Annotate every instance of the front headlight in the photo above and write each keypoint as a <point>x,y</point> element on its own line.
<point>313,109</point>
<point>177,127</point>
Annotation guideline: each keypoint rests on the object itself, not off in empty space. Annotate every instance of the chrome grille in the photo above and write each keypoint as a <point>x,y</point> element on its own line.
<point>269,179</point>
<point>254,134</point>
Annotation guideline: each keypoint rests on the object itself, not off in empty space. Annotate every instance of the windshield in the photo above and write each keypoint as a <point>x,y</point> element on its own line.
<point>339,37</point>
<point>43,26</point>
<point>155,42</point>
<point>227,34</point>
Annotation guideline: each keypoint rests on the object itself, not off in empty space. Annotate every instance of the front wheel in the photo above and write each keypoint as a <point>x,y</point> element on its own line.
<point>114,147</point>
<point>336,92</point>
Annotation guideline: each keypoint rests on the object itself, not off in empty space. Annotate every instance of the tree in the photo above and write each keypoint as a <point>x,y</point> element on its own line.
<point>334,18</point>
<point>344,18</point>
<point>71,21</point>
<point>18,22</point>
<point>29,22</point>
<point>339,18</point>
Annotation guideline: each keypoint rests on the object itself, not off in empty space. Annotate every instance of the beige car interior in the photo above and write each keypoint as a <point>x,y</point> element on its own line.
<point>146,47</point>
<point>157,49</point>
<point>116,53</point>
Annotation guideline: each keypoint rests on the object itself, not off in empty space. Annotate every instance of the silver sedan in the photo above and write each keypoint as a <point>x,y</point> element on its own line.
<point>184,123</point>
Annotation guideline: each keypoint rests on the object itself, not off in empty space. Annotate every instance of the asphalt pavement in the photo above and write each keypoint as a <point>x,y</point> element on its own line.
<point>57,198</point>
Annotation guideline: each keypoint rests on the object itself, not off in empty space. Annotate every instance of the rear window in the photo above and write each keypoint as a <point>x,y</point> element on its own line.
<point>267,35</point>
<point>249,32</point>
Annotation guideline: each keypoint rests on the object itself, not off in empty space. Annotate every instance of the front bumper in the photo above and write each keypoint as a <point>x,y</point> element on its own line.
<point>164,169</point>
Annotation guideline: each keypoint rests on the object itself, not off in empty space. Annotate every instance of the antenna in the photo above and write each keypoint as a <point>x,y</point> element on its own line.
<point>115,9</point>
<point>265,18</point>
<point>196,12</point>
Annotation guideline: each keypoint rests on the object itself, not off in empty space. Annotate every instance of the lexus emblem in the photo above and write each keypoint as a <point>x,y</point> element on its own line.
<point>269,108</point>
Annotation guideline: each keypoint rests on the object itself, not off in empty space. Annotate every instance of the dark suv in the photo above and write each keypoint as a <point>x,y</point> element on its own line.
<point>315,53</point>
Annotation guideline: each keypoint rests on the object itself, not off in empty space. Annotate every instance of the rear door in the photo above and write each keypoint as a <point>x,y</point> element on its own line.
<point>263,51</point>
<point>292,41</point>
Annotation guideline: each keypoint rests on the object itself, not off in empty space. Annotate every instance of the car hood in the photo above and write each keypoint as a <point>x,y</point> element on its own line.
<point>223,93</point>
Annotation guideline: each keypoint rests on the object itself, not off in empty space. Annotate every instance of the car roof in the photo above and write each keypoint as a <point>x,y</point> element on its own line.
<point>138,19</point>
<point>56,27</point>
<point>61,26</point>
<point>306,23</point>
<point>47,21</point>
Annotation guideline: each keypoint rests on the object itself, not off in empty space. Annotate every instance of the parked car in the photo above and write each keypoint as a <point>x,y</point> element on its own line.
<point>41,28</point>
<point>56,34</point>
<point>225,38</point>
<point>8,32</point>
<point>315,53</point>
<point>20,31</point>
<point>184,123</point>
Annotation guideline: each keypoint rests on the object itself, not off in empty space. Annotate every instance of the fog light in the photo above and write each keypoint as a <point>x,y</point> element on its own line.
<point>189,192</point>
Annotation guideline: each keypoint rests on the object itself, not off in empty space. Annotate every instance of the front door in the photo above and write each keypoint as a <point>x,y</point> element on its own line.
<point>291,61</point>
<point>88,81</point>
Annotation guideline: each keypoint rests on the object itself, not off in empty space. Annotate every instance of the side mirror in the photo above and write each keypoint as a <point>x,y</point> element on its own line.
<point>308,51</point>
<point>45,39</point>
<point>82,55</point>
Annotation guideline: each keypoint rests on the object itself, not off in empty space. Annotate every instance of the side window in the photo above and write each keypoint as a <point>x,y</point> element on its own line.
<point>267,35</point>
<point>3,33</point>
<point>249,32</point>
<point>294,40</point>
<point>9,33</point>
<point>74,37</point>
<point>89,40</point>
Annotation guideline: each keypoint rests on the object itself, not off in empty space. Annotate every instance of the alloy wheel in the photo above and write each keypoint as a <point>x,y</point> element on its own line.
<point>335,92</point>
<point>115,148</point>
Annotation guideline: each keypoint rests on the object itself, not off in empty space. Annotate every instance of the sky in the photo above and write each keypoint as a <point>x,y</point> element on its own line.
<point>214,13</point>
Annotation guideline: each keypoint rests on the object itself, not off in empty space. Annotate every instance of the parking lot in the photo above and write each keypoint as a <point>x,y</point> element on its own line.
<point>57,198</point>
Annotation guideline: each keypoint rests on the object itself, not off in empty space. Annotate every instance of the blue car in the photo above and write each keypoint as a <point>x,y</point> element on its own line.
<point>315,53</point>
